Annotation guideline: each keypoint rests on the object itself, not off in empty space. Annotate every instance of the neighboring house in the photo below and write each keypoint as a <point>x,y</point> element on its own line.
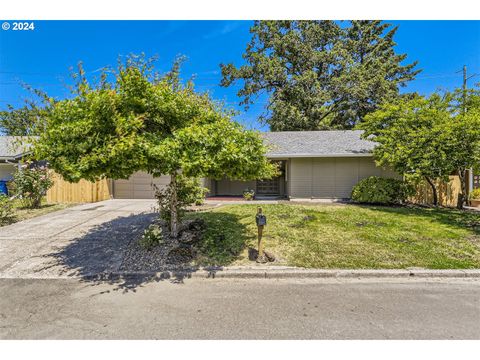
<point>313,164</point>
<point>12,150</point>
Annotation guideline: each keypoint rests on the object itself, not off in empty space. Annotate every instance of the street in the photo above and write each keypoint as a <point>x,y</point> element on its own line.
<point>240,309</point>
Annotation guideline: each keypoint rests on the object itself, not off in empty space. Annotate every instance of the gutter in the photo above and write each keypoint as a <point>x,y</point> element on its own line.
<point>283,156</point>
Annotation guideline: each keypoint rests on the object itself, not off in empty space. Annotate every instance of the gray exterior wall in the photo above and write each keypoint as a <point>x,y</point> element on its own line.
<point>227,187</point>
<point>330,177</point>
<point>307,178</point>
<point>6,171</point>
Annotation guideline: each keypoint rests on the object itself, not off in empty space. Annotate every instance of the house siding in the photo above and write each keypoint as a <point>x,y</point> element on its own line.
<point>301,177</point>
<point>233,187</point>
<point>331,177</point>
<point>6,171</point>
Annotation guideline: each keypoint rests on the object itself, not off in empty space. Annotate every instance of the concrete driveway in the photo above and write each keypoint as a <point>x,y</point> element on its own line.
<point>80,240</point>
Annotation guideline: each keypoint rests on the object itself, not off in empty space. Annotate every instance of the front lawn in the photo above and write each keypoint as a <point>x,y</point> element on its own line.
<point>23,213</point>
<point>344,236</point>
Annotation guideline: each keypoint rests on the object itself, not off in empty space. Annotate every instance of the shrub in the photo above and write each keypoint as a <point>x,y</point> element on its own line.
<point>31,183</point>
<point>475,194</point>
<point>6,210</point>
<point>189,192</point>
<point>248,194</point>
<point>378,190</point>
<point>151,237</point>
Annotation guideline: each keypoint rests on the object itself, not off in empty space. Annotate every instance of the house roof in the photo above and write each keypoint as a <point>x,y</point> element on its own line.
<point>13,147</point>
<point>283,144</point>
<point>329,143</point>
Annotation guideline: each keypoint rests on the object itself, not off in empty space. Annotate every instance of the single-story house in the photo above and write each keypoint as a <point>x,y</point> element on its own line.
<point>12,150</point>
<point>313,164</point>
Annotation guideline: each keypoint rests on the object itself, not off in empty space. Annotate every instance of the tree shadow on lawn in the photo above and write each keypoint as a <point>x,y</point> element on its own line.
<point>98,256</point>
<point>461,219</point>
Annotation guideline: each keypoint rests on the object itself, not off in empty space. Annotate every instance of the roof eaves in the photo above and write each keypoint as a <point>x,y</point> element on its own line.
<point>287,155</point>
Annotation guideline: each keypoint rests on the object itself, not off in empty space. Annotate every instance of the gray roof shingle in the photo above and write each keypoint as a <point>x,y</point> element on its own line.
<point>13,147</point>
<point>335,143</point>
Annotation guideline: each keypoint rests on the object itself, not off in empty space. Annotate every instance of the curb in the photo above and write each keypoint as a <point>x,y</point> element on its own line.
<point>271,272</point>
<point>287,273</point>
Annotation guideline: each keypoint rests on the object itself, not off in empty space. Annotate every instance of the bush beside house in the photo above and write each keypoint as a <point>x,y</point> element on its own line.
<point>31,184</point>
<point>6,210</point>
<point>378,190</point>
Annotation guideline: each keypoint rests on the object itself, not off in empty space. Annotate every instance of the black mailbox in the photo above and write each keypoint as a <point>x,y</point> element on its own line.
<point>261,220</point>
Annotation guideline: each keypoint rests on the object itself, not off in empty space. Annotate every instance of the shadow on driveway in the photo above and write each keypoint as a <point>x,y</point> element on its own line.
<point>97,256</point>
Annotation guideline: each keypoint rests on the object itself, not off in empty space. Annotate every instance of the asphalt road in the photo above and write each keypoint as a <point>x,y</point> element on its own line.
<point>240,309</point>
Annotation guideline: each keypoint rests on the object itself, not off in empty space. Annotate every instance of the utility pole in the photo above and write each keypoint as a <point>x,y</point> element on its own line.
<point>468,185</point>
<point>464,89</point>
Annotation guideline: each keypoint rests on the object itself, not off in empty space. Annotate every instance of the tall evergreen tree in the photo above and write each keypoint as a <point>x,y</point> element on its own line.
<point>318,74</point>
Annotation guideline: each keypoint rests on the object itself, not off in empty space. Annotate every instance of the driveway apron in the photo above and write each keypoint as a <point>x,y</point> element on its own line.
<point>78,241</point>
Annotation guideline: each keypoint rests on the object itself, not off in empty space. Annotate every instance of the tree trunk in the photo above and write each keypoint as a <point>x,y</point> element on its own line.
<point>173,206</point>
<point>434,191</point>
<point>462,175</point>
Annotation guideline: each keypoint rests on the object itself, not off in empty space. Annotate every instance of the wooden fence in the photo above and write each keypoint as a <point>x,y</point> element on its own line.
<point>447,192</point>
<point>84,191</point>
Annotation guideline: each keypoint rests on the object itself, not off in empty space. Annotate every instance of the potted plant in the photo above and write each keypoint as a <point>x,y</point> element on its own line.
<point>248,194</point>
<point>475,198</point>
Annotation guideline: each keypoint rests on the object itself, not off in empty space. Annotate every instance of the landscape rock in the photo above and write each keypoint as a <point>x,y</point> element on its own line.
<point>189,237</point>
<point>180,254</point>
<point>269,256</point>
<point>198,225</point>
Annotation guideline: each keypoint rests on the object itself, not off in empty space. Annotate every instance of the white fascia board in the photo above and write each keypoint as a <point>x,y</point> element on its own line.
<point>285,156</point>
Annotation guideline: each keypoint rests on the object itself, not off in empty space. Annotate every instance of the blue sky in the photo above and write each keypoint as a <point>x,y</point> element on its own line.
<point>42,57</point>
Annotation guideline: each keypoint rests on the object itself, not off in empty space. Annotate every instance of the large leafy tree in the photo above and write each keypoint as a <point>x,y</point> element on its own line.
<point>26,120</point>
<point>461,136</point>
<point>22,121</point>
<point>409,137</point>
<point>429,138</point>
<point>319,74</point>
<point>140,120</point>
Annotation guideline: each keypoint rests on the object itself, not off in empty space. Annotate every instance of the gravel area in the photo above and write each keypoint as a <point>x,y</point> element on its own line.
<point>171,254</point>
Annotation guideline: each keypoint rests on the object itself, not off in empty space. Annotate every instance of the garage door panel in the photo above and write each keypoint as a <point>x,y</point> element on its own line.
<point>143,194</point>
<point>138,186</point>
<point>123,194</point>
<point>163,180</point>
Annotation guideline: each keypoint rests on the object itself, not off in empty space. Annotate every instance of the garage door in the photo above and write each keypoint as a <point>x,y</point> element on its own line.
<point>138,186</point>
<point>331,177</point>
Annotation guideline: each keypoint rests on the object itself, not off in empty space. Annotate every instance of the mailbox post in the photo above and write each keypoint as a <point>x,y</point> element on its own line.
<point>261,221</point>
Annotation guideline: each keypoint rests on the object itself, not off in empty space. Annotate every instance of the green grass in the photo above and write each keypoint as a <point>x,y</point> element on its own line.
<point>22,213</point>
<point>345,236</point>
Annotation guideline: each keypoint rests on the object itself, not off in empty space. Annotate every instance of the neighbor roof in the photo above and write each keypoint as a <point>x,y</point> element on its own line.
<point>329,143</point>
<point>13,147</point>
